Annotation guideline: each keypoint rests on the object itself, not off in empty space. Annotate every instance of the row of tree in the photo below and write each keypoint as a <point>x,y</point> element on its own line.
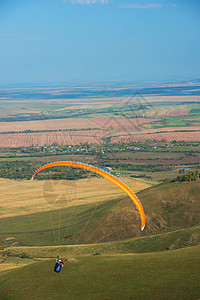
<point>135,167</point>
<point>24,170</point>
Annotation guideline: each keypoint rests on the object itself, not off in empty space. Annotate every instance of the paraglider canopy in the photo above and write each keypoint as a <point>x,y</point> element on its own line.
<point>103,173</point>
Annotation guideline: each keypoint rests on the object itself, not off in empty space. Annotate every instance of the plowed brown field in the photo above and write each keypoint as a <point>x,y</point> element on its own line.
<point>178,112</point>
<point>71,123</point>
<point>48,138</point>
<point>115,122</point>
<point>168,136</point>
<point>53,124</point>
<point>119,134</point>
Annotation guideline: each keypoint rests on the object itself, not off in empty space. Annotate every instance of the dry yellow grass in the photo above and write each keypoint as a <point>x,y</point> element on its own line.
<point>26,197</point>
<point>9,266</point>
<point>13,263</point>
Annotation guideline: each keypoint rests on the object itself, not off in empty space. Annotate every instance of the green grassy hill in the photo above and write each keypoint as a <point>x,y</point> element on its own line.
<point>161,275</point>
<point>168,207</point>
<point>182,238</point>
<point>171,205</point>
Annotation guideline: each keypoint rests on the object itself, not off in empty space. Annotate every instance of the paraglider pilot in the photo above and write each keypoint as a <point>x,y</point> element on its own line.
<point>59,264</point>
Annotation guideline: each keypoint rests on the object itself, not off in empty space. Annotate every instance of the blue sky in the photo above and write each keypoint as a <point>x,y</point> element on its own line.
<point>89,41</point>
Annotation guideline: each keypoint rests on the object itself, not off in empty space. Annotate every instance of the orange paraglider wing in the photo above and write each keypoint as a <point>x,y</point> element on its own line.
<point>103,173</point>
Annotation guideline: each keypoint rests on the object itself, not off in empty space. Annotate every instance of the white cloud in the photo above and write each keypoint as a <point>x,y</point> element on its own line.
<point>174,5</point>
<point>86,1</point>
<point>144,6</point>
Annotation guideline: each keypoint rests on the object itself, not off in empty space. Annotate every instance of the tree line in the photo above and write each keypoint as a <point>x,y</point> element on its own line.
<point>25,170</point>
<point>190,176</point>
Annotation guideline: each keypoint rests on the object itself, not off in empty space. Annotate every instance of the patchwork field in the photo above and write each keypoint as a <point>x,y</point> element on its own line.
<point>119,134</point>
<point>72,123</point>
<point>98,114</point>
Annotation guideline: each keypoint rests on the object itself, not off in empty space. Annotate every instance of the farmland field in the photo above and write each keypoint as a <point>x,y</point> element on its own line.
<point>49,138</point>
<point>118,135</point>
<point>59,118</point>
<point>177,136</point>
<point>71,123</point>
<point>177,112</point>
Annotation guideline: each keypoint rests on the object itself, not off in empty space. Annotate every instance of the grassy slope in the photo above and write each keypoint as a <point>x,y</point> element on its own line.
<point>162,275</point>
<point>42,228</point>
<point>171,205</point>
<point>168,207</point>
<point>166,241</point>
